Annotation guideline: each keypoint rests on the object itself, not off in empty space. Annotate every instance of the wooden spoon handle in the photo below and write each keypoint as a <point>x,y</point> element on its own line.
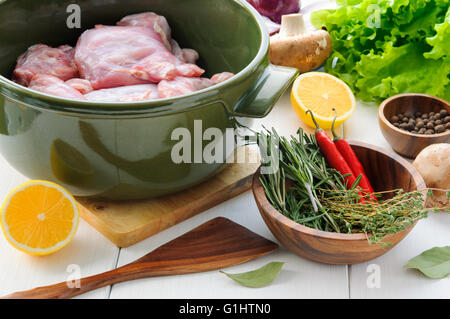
<point>63,290</point>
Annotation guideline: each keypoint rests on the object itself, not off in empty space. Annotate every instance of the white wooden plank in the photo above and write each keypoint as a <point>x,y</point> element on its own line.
<point>299,278</point>
<point>19,271</point>
<point>397,282</point>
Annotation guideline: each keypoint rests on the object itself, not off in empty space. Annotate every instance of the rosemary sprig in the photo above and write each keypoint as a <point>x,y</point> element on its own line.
<point>299,165</point>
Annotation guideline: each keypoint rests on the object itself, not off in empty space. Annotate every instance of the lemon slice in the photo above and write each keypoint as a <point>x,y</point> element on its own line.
<point>321,93</point>
<point>39,217</point>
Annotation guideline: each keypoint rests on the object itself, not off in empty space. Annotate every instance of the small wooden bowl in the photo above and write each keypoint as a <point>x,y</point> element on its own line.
<point>403,142</point>
<point>386,171</point>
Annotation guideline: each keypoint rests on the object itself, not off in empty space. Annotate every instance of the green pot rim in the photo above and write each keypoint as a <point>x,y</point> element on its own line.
<point>202,97</point>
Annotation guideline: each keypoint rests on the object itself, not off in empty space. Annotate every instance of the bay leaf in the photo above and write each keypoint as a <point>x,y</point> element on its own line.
<point>258,278</point>
<point>433,263</point>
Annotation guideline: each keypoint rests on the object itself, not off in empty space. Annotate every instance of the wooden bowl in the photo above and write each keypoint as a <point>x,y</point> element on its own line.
<point>403,142</point>
<point>386,171</point>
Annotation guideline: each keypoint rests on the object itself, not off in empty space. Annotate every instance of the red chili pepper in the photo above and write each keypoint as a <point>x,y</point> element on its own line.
<point>352,160</point>
<point>332,154</point>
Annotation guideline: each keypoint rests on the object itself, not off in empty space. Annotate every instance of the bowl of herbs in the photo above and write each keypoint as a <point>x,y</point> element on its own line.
<point>309,206</point>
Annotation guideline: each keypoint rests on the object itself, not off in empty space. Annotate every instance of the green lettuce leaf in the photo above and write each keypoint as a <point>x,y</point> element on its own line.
<point>386,47</point>
<point>401,70</point>
<point>440,41</point>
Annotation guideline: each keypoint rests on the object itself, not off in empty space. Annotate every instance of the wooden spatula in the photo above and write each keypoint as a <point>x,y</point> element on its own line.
<point>216,244</point>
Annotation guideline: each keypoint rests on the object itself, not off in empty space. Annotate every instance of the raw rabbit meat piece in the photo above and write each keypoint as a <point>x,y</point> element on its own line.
<point>162,62</point>
<point>220,77</point>
<point>81,85</point>
<point>42,59</point>
<point>150,20</point>
<point>160,25</point>
<point>52,85</point>
<point>112,56</point>
<point>185,55</point>
<point>131,93</point>
<point>182,85</point>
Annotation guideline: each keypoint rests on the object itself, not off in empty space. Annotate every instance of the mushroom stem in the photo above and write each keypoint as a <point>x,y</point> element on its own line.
<point>292,25</point>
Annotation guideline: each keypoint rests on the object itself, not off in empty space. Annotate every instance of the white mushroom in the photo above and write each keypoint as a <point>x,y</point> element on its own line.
<point>433,163</point>
<point>295,47</point>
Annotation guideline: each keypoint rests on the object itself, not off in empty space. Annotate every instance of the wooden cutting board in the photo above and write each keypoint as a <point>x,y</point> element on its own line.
<point>127,222</point>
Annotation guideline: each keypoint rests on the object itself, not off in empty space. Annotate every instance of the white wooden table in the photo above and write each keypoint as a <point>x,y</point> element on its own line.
<point>300,278</point>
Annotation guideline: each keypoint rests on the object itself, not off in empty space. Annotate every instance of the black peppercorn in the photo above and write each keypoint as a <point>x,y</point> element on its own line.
<point>439,129</point>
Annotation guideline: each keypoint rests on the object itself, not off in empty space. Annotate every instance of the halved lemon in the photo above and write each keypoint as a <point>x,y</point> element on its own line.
<point>39,217</point>
<point>321,93</point>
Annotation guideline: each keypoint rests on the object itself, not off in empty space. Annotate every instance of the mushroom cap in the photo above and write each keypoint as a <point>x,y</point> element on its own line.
<point>305,52</point>
<point>433,163</point>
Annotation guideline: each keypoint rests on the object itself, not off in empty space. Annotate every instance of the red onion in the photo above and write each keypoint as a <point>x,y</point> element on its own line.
<point>274,9</point>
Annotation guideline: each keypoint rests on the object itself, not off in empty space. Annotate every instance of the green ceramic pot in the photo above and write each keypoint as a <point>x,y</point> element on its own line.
<point>123,150</point>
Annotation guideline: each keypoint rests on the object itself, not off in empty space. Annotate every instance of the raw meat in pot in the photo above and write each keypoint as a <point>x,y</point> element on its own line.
<point>185,55</point>
<point>111,56</point>
<point>131,93</point>
<point>182,85</point>
<point>52,85</point>
<point>220,77</point>
<point>42,59</point>
<point>159,25</point>
<point>81,85</point>
<point>150,20</point>
<point>161,62</point>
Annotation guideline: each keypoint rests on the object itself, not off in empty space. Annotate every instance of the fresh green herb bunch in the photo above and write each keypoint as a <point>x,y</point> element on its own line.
<point>302,163</point>
<point>308,191</point>
<point>376,219</point>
